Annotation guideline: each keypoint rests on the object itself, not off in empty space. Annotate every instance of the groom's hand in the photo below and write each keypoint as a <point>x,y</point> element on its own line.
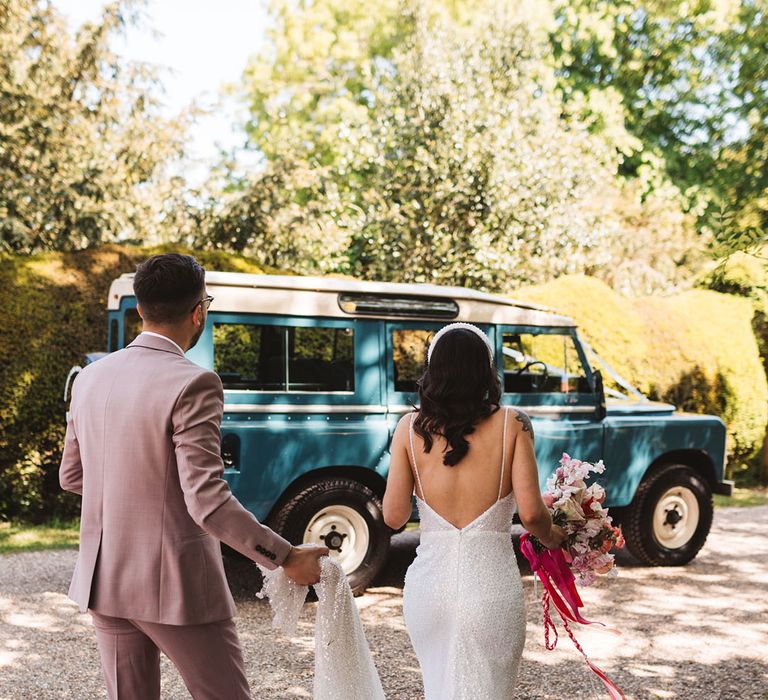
<point>303,563</point>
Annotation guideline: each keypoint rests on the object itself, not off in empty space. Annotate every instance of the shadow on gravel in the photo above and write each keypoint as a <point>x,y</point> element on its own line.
<point>243,576</point>
<point>679,680</point>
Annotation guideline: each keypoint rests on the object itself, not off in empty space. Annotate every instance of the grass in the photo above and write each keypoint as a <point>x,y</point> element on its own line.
<point>743,497</point>
<point>22,537</point>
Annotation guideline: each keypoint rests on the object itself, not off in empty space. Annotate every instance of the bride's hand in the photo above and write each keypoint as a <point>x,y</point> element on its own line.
<point>555,538</point>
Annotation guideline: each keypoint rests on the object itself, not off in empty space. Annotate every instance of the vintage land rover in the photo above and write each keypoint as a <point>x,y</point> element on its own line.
<point>317,372</point>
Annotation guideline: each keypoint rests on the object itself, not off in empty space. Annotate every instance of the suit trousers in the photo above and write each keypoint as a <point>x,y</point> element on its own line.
<point>207,656</point>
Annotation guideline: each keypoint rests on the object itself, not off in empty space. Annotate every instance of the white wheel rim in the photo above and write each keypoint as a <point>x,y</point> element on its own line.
<point>675,517</point>
<point>344,531</point>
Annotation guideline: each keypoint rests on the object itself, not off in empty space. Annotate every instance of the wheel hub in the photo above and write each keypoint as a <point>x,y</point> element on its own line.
<point>344,531</point>
<point>334,539</point>
<point>676,517</point>
<point>673,517</point>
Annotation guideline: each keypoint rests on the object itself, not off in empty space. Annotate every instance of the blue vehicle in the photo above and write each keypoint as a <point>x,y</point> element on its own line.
<point>317,372</point>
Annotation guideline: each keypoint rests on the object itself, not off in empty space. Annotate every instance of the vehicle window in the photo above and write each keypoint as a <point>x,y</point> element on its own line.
<point>409,356</point>
<point>131,326</point>
<point>282,358</point>
<point>542,362</point>
<point>321,359</point>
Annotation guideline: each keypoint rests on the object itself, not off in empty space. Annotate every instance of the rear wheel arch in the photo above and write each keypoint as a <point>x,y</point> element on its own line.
<point>368,477</point>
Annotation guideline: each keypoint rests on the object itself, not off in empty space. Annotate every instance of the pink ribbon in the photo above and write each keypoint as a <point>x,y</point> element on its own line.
<point>559,584</point>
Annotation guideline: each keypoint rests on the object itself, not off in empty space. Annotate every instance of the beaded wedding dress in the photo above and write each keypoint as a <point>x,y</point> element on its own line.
<point>344,668</point>
<point>463,601</point>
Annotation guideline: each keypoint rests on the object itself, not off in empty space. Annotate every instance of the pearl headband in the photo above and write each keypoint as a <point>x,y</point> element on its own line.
<point>466,327</point>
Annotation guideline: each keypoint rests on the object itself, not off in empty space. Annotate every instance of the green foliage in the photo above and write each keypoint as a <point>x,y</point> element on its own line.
<point>423,140</point>
<point>83,153</point>
<point>475,176</point>
<point>444,157</point>
<point>746,275</point>
<point>695,349</point>
<point>685,85</point>
<point>54,310</point>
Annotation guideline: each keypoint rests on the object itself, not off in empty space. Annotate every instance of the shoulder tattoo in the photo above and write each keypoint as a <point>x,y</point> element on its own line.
<point>526,421</point>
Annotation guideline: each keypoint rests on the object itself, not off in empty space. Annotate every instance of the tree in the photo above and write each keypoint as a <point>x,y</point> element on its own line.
<point>446,155</point>
<point>474,174</point>
<point>689,83</point>
<point>334,99</point>
<point>83,153</point>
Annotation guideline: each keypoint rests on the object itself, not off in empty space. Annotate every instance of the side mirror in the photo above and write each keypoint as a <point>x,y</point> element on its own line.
<point>600,391</point>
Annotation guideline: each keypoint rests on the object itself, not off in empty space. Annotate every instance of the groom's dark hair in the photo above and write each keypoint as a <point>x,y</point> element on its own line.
<point>168,286</point>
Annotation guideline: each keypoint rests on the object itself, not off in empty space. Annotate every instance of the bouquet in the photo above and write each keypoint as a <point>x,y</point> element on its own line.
<point>578,509</point>
<point>585,553</point>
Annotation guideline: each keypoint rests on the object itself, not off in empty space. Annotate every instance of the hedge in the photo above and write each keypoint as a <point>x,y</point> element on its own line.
<point>52,310</point>
<point>696,349</point>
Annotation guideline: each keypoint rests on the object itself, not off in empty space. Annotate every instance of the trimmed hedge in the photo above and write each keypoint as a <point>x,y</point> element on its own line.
<point>53,311</point>
<point>696,349</point>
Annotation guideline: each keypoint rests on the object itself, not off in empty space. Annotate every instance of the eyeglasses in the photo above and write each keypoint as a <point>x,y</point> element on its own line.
<point>207,300</point>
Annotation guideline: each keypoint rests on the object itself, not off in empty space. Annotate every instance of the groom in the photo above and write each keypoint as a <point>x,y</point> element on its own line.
<point>143,449</point>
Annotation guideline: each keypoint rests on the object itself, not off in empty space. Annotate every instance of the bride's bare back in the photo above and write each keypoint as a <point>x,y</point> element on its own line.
<point>462,493</point>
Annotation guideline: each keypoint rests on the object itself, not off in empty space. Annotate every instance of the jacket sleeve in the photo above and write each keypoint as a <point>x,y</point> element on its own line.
<point>197,443</point>
<point>71,468</point>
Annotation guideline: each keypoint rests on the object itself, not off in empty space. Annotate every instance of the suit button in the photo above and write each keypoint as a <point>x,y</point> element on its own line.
<point>259,548</point>
<point>272,555</point>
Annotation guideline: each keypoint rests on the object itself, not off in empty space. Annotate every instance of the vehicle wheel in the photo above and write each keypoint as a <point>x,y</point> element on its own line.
<point>670,516</point>
<point>345,516</point>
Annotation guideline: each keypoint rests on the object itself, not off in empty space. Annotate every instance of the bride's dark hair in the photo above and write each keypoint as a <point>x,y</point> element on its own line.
<point>459,388</point>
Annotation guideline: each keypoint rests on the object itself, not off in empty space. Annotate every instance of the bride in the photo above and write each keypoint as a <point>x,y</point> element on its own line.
<point>470,462</point>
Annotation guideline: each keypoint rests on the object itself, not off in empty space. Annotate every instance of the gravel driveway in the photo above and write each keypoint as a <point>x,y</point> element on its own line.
<point>699,632</point>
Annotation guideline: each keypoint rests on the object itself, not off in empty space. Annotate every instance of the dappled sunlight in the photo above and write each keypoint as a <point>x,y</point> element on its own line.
<point>680,628</point>
<point>38,621</point>
<point>15,651</point>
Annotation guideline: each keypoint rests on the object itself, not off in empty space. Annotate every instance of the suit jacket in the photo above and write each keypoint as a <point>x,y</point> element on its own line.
<point>143,449</point>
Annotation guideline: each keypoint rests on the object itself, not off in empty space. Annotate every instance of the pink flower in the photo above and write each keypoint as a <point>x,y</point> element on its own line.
<point>549,499</point>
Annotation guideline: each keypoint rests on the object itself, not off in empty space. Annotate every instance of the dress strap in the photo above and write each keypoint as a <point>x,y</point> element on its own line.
<point>413,458</point>
<point>503,452</point>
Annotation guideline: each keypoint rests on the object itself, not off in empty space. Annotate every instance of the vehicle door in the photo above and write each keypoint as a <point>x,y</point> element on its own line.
<point>546,374</point>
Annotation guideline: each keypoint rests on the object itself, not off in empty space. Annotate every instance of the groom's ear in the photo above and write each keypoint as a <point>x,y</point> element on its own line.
<point>198,315</point>
<point>138,309</point>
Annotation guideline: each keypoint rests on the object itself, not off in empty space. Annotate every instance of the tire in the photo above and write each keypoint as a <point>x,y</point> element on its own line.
<point>345,516</point>
<point>670,516</point>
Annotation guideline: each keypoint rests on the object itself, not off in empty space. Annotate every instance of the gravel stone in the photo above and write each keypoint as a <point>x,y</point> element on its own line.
<point>698,632</point>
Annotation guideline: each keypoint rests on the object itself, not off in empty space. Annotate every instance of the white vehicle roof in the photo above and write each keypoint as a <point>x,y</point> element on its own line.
<point>237,292</point>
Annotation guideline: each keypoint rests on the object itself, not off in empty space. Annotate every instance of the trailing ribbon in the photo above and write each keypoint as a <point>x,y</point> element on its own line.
<point>559,584</point>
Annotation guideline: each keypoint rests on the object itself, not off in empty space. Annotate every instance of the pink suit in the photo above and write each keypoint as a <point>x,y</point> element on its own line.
<point>143,449</point>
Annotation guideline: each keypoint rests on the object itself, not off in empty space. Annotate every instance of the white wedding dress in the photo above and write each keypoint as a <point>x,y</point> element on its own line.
<point>344,668</point>
<point>463,601</point>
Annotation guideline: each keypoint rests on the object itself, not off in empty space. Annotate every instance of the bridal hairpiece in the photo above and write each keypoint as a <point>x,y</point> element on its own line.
<point>466,327</point>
